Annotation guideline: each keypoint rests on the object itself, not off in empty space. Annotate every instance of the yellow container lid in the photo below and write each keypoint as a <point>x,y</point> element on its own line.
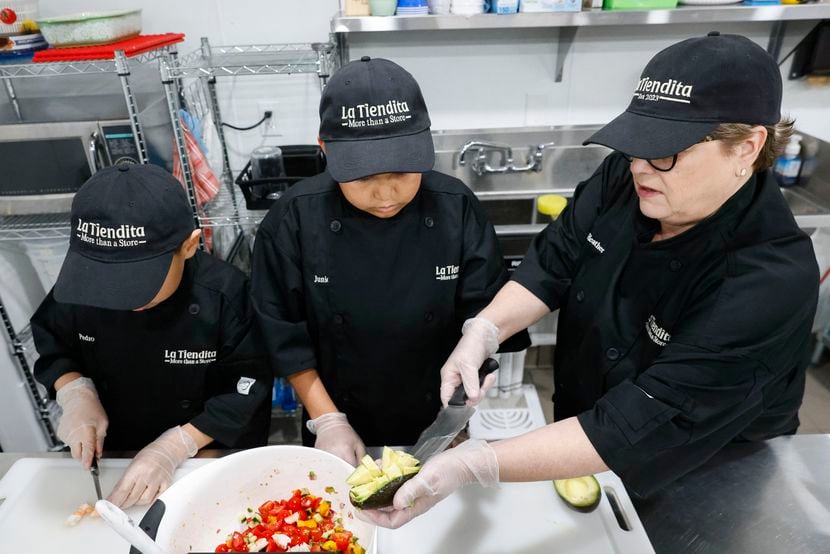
<point>551,204</point>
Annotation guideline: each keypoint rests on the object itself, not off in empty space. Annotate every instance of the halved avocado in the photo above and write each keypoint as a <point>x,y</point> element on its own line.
<point>580,493</point>
<point>379,490</point>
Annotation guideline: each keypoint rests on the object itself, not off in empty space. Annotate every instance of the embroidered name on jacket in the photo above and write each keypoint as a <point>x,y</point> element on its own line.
<point>657,334</point>
<point>595,243</point>
<point>446,273</point>
<point>189,357</point>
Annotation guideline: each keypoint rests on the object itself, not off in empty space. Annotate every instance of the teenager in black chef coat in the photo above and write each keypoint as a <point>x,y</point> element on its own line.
<point>147,342</point>
<point>363,275</point>
<point>686,290</point>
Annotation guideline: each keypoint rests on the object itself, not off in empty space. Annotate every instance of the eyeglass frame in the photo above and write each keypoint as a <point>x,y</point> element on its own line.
<point>630,159</point>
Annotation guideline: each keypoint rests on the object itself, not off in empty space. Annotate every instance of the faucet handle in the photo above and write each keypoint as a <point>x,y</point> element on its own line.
<point>538,156</point>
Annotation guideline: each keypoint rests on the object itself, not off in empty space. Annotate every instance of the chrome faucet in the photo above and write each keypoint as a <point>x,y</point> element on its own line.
<point>480,164</point>
<point>483,150</point>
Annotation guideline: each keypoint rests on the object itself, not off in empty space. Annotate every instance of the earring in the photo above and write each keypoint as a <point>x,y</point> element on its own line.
<point>741,173</point>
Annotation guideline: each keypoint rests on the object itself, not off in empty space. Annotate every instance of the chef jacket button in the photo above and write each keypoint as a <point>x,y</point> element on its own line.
<point>338,319</point>
<point>335,226</point>
<point>580,295</point>
<point>675,265</point>
<point>428,317</point>
<point>428,397</point>
<point>185,404</point>
<point>612,354</point>
<point>429,222</point>
<point>194,309</point>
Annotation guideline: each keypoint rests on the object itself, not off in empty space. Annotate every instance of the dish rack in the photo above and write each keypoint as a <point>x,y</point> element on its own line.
<point>510,408</point>
<point>501,418</point>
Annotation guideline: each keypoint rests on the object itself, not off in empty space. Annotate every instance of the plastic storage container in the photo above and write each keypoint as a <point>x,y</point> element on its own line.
<point>18,17</point>
<point>534,6</point>
<point>91,27</point>
<point>504,6</point>
<point>638,4</point>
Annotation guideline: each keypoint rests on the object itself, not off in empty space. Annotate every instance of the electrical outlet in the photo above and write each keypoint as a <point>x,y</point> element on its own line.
<point>269,128</point>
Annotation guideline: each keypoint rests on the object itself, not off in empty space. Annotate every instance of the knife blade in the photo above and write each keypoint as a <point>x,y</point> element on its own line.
<point>96,477</point>
<point>450,420</point>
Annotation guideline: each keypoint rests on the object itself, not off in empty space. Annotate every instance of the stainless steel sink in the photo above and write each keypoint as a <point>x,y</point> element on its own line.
<point>509,199</point>
<point>801,203</point>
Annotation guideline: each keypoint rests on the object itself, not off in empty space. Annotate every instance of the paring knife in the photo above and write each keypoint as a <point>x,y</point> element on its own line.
<point>450,420</point>
<point>96,477</point>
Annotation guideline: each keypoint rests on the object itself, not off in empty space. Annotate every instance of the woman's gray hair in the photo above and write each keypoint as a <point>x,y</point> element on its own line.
<point>778,135</point>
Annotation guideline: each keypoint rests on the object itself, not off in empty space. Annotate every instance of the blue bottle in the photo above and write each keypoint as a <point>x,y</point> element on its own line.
<point>788,166</point>
<point>288,401</point>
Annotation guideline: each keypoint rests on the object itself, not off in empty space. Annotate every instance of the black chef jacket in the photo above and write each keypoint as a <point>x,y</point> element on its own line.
<point>668,350</point>
<point>189,359</point>
<point>374,305</point>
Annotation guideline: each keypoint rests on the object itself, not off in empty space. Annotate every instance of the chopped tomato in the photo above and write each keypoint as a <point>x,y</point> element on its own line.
<point>268,508</point>
<point>342,540</point>
<point>312,524</point>
<point>238,542</point>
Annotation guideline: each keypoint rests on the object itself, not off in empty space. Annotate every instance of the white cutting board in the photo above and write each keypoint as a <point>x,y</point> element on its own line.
<point>40,493</point>
<point>519,518</point>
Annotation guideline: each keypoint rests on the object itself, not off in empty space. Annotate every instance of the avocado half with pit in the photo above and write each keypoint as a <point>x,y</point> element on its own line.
<point>375,487</point>
<point>580,493</point>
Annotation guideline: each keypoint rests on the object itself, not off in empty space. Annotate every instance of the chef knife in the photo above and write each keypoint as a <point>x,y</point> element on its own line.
<point>96,477</point>
<point>450,420</point>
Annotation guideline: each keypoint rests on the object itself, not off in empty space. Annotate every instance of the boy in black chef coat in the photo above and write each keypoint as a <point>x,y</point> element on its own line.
<point>364,275</point>
<point>145,340</point>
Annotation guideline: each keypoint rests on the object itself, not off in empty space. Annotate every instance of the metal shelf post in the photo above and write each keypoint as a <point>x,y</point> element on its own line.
<point>123,70</point>
<point>40,404</point>
<point>171,92</point>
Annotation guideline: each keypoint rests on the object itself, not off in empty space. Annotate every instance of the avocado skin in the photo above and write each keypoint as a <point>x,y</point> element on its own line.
<point>382,497</point>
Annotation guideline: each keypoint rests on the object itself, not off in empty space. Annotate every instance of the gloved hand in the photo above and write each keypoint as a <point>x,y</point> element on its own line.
<point>151,471</point>
<point>84,422</point>
<point>479,341</point>
<point>473,461</point>
<point>335,435</point>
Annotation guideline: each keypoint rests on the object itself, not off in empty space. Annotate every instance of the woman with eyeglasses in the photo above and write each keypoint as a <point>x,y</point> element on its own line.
<point>686,291</point>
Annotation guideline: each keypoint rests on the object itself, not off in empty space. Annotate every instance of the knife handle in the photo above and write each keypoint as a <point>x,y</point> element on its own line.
<point>459,397</point>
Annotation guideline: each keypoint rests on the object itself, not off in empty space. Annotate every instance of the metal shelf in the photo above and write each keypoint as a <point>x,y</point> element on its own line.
<point>255,59</point>
<point>714,14</point>
<point>226,210</point>
<point>74,68</point>
<point>35,226</point>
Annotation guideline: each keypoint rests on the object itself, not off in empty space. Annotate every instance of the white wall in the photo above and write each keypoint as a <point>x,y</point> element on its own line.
<point>471,79</point>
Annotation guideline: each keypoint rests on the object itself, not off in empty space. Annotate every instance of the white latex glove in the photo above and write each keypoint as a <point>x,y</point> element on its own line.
<point>473,461</point>
<point>84,422</point>
<point>151,471</point>
<point>335,435</point>
<point>479,341</point>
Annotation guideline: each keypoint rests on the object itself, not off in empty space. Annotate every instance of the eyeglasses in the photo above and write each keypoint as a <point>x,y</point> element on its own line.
<point>667,163</point>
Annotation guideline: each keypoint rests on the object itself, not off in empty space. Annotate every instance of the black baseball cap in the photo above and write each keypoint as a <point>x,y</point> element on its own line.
<point>690,88</point>
<point>373,119</point>
<point>127,222</point>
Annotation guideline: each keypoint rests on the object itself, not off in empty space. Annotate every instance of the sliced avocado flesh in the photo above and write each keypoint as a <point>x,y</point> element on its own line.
<point>580,493</point>
<point>359,476</point>
<point>386,459</point>
<point>371,466</point>
<point>396,469</point>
